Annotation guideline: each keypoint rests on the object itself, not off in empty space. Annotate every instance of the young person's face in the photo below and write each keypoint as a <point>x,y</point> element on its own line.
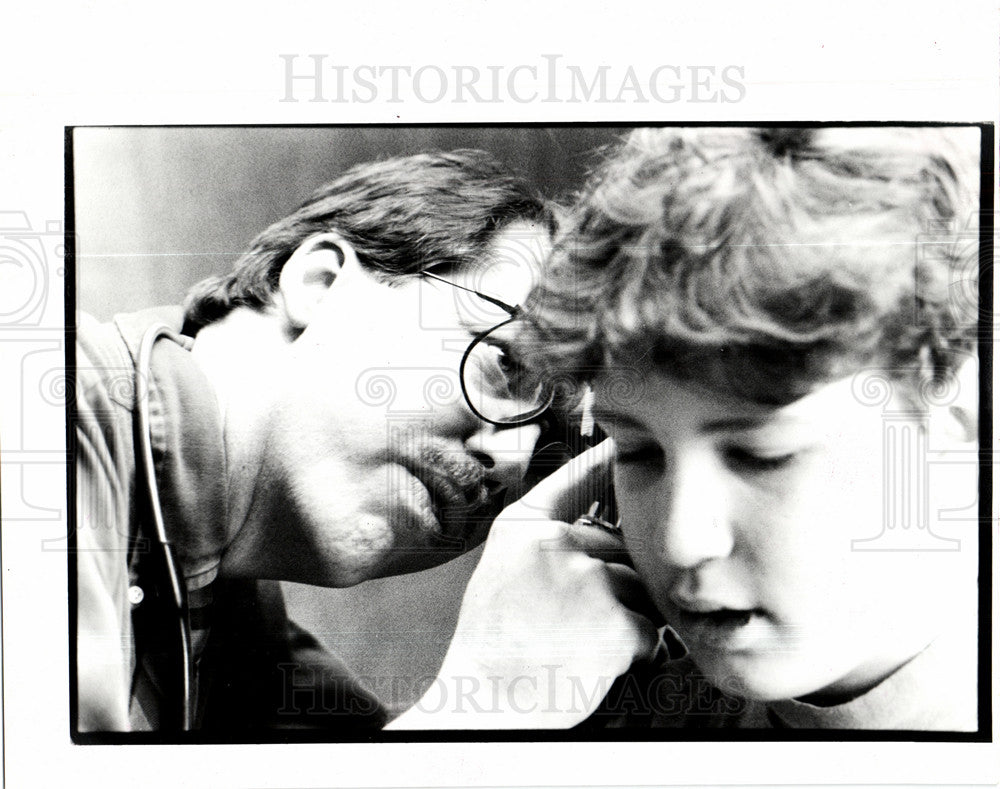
<point>744,522</point>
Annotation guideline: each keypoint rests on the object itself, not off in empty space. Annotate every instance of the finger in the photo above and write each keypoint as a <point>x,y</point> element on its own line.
<point>631,592</point>
<point>570,491</point>
<point>649,637</point>
<point>597,542</point>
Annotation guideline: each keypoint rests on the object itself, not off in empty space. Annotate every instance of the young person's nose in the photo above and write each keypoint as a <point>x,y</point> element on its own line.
<point>694,523</point>
<point>504,451</point>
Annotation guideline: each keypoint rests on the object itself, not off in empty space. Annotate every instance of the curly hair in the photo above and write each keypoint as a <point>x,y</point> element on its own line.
<point>762,262</point>
<point>401,215</point>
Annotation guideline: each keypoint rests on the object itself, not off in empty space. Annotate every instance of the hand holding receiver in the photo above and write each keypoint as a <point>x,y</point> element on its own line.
<point>550,618</point>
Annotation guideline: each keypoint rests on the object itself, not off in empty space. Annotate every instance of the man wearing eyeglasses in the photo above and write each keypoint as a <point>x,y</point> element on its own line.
<point>309,425</point>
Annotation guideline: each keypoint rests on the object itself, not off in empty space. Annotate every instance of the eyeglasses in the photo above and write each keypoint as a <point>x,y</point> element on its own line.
<point>497,388</point>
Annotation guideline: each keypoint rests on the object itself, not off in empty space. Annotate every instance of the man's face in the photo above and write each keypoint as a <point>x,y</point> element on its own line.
<point>743,520</point>
<point>370,449</point>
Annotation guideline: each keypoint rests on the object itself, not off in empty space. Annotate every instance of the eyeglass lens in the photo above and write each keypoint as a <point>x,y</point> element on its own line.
<point>497,385</point>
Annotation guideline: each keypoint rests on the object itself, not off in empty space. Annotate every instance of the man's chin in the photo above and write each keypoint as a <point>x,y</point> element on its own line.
<point>457,533</point>
<point>403,541</point>
<point>380,535</point>
<point>436,525</point>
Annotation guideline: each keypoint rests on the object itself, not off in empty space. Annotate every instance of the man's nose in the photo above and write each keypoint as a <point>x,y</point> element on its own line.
<point>504,451</point>
<point>694,518</point>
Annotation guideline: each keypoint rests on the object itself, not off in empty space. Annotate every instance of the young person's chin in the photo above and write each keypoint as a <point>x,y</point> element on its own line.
<point>760,676</point>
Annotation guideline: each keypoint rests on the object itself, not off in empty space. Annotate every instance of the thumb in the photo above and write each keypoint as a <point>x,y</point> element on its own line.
<point>568,492</point>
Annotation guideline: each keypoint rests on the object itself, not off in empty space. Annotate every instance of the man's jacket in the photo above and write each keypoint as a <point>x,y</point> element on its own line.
<point>253,668</point>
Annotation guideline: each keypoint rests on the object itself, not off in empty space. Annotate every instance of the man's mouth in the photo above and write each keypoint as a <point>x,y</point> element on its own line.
<point>454,482</point>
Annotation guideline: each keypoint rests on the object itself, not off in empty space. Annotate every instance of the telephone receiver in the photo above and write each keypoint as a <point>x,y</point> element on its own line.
<point>602,517</point>
<point>593,498</point>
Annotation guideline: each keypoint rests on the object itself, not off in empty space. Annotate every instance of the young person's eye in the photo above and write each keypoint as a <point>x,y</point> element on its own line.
<point>744,459</point>
<point>640,454</point>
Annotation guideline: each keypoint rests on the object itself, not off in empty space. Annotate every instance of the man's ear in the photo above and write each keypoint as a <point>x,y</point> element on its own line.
<point>308,274</point>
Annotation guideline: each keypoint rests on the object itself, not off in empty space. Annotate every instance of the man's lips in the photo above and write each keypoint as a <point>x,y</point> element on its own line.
<point>454,481</point>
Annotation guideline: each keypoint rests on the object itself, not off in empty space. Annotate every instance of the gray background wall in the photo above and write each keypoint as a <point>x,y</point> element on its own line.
<point>158,209</point>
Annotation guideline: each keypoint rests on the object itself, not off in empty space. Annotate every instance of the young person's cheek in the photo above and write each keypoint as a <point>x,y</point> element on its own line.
<point>639,529</point>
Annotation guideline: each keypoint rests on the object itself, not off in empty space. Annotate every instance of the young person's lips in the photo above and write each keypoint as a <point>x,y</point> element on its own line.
<point>717,625</point>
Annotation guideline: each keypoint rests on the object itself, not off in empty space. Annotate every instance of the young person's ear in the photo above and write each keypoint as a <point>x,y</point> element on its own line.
<point>309,273</point>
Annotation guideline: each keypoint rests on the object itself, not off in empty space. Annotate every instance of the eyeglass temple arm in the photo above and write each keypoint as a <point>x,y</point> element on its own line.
<point>513,311</point>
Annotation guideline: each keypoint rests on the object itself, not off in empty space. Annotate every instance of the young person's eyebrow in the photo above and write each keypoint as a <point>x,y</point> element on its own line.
<point>606,416</point>
<point>768,422</point>
<point>735,423</point>
<point>714,426</point>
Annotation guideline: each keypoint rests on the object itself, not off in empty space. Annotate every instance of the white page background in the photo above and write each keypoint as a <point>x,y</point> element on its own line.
<point>107,63</point>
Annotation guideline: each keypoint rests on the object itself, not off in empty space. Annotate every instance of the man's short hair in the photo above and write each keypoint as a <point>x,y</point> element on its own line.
<point>762,262</point>
<point>401,215</point>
